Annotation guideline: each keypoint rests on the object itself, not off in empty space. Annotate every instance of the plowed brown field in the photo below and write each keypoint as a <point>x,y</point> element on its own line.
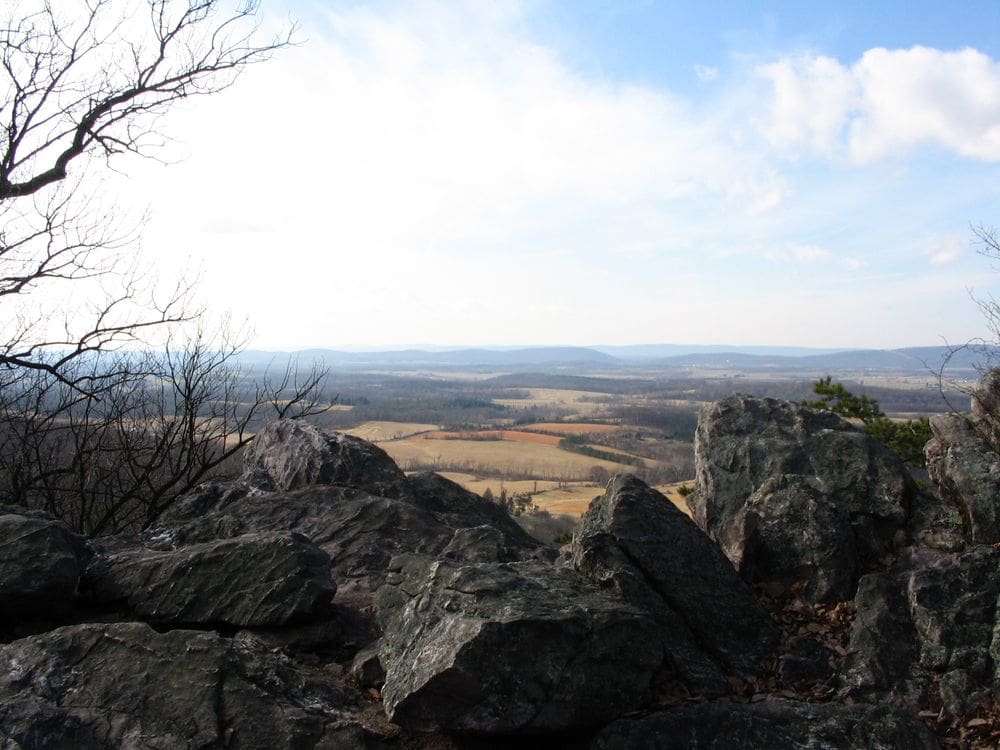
<point>516,436</point>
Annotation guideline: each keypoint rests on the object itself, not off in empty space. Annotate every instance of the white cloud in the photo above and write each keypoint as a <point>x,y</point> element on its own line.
<point>429,174</point>
<point>812,98</point>
<point>388,149</point>
<point>885,104</point>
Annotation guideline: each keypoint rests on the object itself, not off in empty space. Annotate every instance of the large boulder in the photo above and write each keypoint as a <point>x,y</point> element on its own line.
<point>41,562</point>
<point>774,724</point>
<point>926,631</point>
<point>92,687</point>
<point>360,531</point>
<point>290,454</point>
<point>796,494</point>
<point>258,579</point>
<point>964,464</point>
<point>635,542</point>
<point>509,647</point>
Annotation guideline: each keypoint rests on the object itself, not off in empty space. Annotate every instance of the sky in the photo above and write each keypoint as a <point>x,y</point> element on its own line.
<point>543,172</point>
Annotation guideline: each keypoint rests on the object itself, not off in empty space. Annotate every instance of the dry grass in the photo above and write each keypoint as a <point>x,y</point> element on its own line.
<point>495,457</point>
<point>672,494</point>
<point>375,432</point>
<point>572,428</point>
<point>516,436</point>
<point>479,485</point>
<point>576,401</point>
<point>572,499</point>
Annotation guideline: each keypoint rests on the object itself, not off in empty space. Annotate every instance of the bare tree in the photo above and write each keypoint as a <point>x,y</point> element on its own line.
<point>164,422</point>
<point>97,81</point>
<point>980,355</point>
<point>81,82</point>
<point>97,425</point>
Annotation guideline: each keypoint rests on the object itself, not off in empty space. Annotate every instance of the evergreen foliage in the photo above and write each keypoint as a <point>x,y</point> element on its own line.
<point>905,438</point>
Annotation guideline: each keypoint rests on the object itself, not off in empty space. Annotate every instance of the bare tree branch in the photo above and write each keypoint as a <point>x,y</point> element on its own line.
<point>63,103</point>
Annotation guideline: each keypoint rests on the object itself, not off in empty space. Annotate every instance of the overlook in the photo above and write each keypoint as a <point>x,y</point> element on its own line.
<point>232,515</point>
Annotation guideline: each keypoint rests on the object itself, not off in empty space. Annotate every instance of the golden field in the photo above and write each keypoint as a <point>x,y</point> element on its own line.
<point>495,457</point>
<point>571,428</point>
<point>378,432</point>
<point>518,461</point>
<point>577,401</point>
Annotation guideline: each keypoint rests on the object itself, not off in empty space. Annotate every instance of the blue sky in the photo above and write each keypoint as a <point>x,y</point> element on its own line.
<point>542,172</point>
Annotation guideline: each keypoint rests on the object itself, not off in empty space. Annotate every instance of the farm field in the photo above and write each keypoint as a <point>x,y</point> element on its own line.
<point>517,436</point>
<point>506,432</point>
<point>580,403</point>
<point>381,431</point>
<point>571,498</point>
<point>521,462</point>
<point>570,429</point>
<point>507,458</point>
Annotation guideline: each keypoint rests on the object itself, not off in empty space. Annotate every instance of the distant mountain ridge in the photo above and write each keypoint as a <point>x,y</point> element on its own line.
<point>654,356</point>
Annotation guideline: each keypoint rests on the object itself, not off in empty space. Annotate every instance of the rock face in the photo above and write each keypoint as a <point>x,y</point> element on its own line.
<point>965,467</point>
<point>633,541</point>
<point>360,531</point>
<point>92,687</point>
<point>773,724</point>
<point>477,629</point>
<point>510,647</point>
<point>41,562</point>
<point>986,403</point>
<point>289,455</point>
<point>795,494</point>
<point>926,630</point>
<point>251,580</point>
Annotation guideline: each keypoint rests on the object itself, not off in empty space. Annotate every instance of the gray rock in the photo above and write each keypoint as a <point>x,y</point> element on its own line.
<point>458,508</point>
<point>512,647</point>
<point>986,403</point>
<point>926,631</point>
<point>796,494</point>
<point>289,455</point>
<point>255,579</point>
<point>965,467</point>
<point>478,544</point>
<point>635,542</point>
<point>773,724</point>
<point>360,531</point>
<point>126,686</point>
<point>41,562</point>
<point>366,668</point>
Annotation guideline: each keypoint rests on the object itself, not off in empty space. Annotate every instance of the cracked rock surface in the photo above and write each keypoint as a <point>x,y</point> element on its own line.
<point>633,541</point>
<point>508,647</point>
<point>125,685</point>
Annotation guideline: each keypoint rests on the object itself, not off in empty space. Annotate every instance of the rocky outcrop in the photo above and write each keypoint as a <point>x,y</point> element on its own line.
<point>965,466</point>
<point>795,494</point>
<point>774,724</point>
<point>360,531</point>
<point>926,631</point>
<point>41,562</point>
<point>986,403</point>
<point>261,579</point>
<point>290,454</point>
<point>633,541</point>
<point>510,647</point>
<point>477,629</point>
<point>92,687</point>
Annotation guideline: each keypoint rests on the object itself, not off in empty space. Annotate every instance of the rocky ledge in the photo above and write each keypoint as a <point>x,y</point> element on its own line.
<point>821,598</point>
